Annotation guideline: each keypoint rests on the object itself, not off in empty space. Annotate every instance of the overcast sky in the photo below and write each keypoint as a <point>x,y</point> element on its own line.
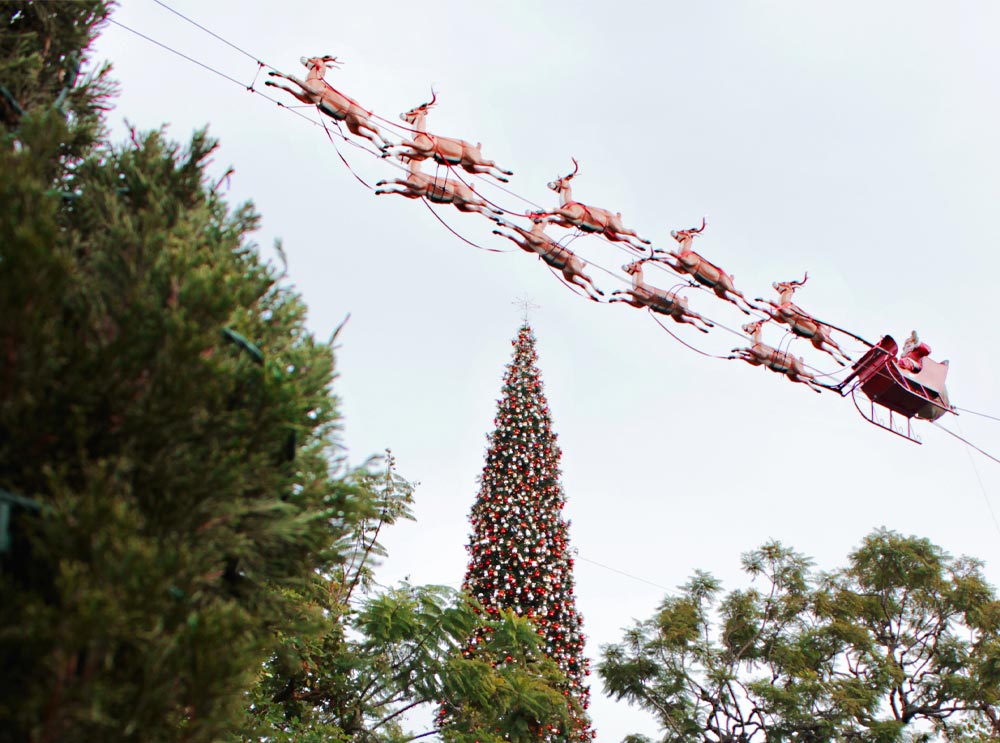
<point>855,140</point>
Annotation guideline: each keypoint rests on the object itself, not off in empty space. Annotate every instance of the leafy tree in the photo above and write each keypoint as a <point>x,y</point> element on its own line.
<point>903,644</point>
<point>169,470</point>
<point>384,653</point>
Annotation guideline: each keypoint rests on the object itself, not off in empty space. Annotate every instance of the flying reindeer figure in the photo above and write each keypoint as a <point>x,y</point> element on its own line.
<point>589,218</point>
<point>658,300</point>
<point>802,323</point>
<point>708,274</point>
<point>782,362</point>
<point>445,150</point>
<point>438,190</point>
<point>315,90</point>
<point>555,255</point>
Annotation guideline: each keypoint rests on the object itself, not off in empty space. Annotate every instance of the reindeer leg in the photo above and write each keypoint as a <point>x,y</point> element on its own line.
<point>838,349</point>
<point>500,172</point>
<point>633,233</point>
<point>641,247</point>
<point>686,320</point>
<point>487,168</point>
<point>585,283</point>
<point>500,175</point>
<point>807,381</point>
<point>631,302</point>
<point>464,206</point>
<point>378,135</point>
<point>298,94</point>
<point>821,347</point>
<point>358,129</point>
<point>587,286</point>
<point>518,242</point>
<point>693,319</point>
<point>405,189</point>
<point>721,292</point>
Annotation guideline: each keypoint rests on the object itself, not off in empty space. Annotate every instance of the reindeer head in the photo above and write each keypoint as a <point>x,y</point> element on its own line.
<point>753,328</point>
<point>688,235</point>
<point>320,64</point>
<point>789,286</point>
<point>411,116</point>
<point>561,183</point>
<point>633,268</point>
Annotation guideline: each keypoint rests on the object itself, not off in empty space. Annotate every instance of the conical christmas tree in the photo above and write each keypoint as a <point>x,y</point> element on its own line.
<point>520,557</point>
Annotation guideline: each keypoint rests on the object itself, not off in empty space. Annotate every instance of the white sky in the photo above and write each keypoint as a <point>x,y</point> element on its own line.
<point>855,140</point>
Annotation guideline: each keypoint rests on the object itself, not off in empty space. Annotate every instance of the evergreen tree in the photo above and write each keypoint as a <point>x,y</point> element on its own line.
<point>519,547</point>
<point>170,477</point>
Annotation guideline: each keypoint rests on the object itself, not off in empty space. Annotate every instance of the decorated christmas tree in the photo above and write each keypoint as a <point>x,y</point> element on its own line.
<point>520,558</point>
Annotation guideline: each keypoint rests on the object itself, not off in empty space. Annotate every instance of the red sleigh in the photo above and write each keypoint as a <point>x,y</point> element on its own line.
<point>912,386</point>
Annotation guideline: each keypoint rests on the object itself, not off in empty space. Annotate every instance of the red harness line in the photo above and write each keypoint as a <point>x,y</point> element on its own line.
<point>683,343</point>
<point>339,154</point>
<point>460,237</point>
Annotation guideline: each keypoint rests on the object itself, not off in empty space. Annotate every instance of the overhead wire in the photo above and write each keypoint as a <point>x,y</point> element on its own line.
<point>627,248</point>
<point>208,31</point>
<point>982,415</point>
<point>622,572</point>
<point>179,53</point>
<point>322,123</point>
<point>965,441</point>
<point>495,184</point>
<point>982,487</point>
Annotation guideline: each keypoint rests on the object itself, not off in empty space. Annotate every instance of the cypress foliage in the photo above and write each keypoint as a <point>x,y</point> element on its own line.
<point>169,473</point>
<point>519,547</point>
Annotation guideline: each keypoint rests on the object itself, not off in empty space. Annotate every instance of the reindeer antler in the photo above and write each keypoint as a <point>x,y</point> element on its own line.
<point>434,97</point>
<point>331,61</point>
<point>800,283</point>
<point>576,168</point>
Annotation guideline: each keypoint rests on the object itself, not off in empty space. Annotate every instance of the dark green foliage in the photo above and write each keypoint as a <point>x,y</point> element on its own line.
<point>43,62</point>
<point>380,655</point>
<point>185,491</point>
<point>901,645</point>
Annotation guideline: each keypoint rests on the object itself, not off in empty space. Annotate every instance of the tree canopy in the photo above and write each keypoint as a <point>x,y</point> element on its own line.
<point>901,644</point>
<point>381,654</point>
